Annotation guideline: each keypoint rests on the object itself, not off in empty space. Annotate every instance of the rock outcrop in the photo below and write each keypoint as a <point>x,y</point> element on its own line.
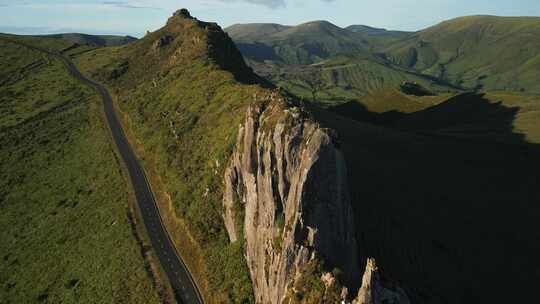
<point>286,197</point>
<point>373,291</point>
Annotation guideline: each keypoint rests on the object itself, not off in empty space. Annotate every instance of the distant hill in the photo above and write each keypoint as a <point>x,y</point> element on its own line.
<point>346,61</point>
<point>254,31</point>
<point>303,44</point>
<point>96,40</point>
<point>479,53</point>
<point>366,29</point>
<point>483,52</point>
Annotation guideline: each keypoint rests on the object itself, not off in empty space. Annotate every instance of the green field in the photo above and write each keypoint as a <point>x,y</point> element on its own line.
<point>65,235</point>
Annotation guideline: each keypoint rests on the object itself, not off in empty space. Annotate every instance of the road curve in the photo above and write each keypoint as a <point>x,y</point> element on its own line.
<point>182,282</point>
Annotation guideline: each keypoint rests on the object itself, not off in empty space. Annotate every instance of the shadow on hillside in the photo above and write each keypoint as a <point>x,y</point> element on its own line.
<point>468,115</point>
<point>258,51</point>
<point>447,199</point>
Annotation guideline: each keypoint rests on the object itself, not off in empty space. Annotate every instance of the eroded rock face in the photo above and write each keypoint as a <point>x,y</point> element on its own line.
<point>373,291</point>
<point>286,196</point>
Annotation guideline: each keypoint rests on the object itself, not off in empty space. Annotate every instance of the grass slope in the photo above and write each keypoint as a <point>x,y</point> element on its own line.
<point>96,40</point>
<point>349,78</point>
<point>65,232</point>
<point>348,58</point>
<point>494,53</point>
<point>303,44</point>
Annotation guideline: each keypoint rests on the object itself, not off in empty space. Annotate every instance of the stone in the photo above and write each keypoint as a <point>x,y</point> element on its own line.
<point>372,290</point>
<point>290,179</point>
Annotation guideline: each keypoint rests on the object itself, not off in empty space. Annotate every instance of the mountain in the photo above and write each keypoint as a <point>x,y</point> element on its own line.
<point>254,31</point>
<point>378,38</point>
<point>303,44</point>
<point>402,193</point>
<point>467,53</point>
<point>367,29</point>
<point>343,61</point>
<point>483,52</point>
<point>276,193</point>
<point>197,114</point>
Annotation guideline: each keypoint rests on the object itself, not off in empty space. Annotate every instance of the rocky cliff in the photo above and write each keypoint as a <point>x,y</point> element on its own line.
<point>372,290</point>
<point>286,197</point>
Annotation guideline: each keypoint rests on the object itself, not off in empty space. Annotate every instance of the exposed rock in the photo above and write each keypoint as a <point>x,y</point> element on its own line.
<point>183,13</point>
<point>373,291</point>
<point>286,195</point>
<point>162,42</point>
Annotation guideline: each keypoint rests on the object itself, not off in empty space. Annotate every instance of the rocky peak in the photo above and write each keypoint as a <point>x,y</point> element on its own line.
<point>373,290</point>
<point>186,37</point>
<point>182,13</point>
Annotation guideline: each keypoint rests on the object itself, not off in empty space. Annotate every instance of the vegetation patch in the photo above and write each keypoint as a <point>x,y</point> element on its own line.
<point>63,201</point>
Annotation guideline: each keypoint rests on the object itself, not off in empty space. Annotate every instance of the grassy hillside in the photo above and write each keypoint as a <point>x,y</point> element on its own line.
<point>378,38</point>
<point>485,52</point>
<point>344,62</point>
<point>482,53</point>
<point>254,31</point>
<point>66,236</point>
<point>303,44</point>
<point>347,78</point>
<point>183,90</point>
<point>51,44</point>
<point>95,40</point>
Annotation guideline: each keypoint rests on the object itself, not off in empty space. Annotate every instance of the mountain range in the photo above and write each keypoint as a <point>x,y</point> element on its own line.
<point>469,53</point>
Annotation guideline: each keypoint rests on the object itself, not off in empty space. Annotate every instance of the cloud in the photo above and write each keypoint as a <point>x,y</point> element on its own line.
<point>269,3</point>
<point>124,4</point>
<point>82,5</point>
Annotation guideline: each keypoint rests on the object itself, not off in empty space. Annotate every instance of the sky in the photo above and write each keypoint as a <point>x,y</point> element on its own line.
<point>135,17</point>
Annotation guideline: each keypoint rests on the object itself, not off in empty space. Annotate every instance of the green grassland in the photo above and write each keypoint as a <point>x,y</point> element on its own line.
<point>65,235</point>
<point>487,52</point>
<point>95,40</point>
<point>184,104</point>
<point>51,44</point>
<point>348,61</point>
<point>303,44</point>
<point>481,53</point>
<point>345,79</point>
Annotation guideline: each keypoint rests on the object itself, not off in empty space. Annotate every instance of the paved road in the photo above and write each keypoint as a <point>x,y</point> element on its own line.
<point>185,289</point>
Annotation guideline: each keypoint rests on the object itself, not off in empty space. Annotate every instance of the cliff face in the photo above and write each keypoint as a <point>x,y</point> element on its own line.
<point>286,196</point>
<point>373,291</point>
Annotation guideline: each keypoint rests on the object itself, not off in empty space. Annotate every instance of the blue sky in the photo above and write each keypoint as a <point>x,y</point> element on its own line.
<point>134,17</point>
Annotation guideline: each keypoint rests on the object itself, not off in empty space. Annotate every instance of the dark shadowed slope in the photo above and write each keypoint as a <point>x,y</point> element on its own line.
<point>446,197</point>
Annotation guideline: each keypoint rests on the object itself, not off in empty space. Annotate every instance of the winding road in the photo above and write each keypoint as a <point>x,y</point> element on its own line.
<point>182,282</point>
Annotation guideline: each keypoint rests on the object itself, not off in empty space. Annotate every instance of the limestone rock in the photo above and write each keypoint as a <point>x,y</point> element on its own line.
<point>286,195</point>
